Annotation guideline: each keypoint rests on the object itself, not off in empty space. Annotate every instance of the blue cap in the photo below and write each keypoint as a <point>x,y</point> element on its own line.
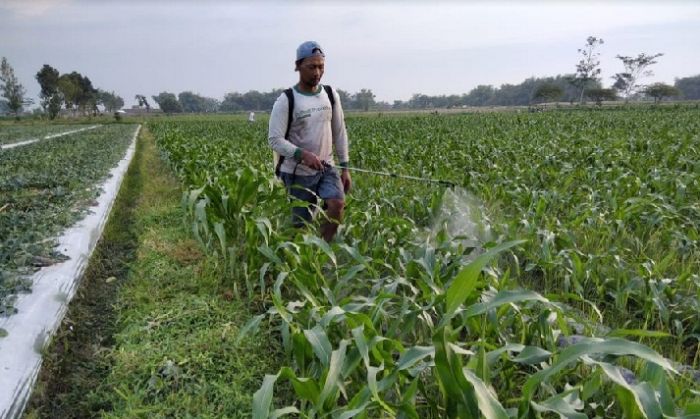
<point>308,49</point>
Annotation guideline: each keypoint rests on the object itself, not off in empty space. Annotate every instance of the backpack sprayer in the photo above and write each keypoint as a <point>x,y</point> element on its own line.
<point>396,175</point>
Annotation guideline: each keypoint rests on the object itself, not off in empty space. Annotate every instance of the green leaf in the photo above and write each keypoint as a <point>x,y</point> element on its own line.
<point>283,411</point>
<point>372,384</point>
<point>489,405</point>
<point>466,280</point>
<point>503,297</point>
<point>251,326</point>
<point>591,347</point>
<point>262,399</point>
<point>268,253</point>
<point>563,404</point>
<point>413,355</point>
<point>221,234</point>
<point>336,363</point>
<point>358,335</point>
<point>305,388</point>
<point>460,400</point>
<point>532,355</point>
<point>322,244</point>
<point>319,342</point>
<point>644,395</point>
<point>492,356</point>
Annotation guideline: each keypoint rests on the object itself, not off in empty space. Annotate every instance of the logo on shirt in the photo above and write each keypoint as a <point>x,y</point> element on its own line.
<point>307,112</point>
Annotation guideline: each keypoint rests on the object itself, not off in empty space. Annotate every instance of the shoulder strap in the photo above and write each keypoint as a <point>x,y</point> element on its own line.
<point>329,92</point>
<point>290,115</point>
<point>290,101</point>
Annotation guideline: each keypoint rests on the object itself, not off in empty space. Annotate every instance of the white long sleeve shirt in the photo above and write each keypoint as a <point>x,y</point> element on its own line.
<point>316,127</point>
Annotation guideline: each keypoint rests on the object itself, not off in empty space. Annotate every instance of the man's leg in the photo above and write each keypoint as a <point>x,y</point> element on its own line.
<point>330,189</point>
<point>334,212</point>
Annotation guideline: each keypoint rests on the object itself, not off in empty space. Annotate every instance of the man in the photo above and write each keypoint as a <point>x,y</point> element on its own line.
<point>306,144</point>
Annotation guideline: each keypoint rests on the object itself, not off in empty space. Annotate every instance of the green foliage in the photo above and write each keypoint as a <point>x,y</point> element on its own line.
<point>661,90</point>
<point>167,102</point>
<point>595,221</point>
<point>21,132</point>
<point>77,92</point>
<point>598,95</point>
<point>627,82</point>
<point>588,68</point>
<point>50,98</point>
<point>547,93</point>
<point>689,87</point>
<point>11,88</point>
<point>110,100</point>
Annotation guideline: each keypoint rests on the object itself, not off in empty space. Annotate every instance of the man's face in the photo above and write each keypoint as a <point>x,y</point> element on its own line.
<point>311,70</point>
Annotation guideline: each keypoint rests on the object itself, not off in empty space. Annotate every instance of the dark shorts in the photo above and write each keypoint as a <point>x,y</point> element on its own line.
<point>324,185</point>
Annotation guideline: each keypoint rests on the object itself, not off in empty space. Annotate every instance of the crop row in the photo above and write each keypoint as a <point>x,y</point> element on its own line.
<point>16,133</point>
<point>400,317</point>
<point>44,188</point>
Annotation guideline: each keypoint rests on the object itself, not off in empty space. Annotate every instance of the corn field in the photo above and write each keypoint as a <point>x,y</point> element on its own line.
<point>581,301</point>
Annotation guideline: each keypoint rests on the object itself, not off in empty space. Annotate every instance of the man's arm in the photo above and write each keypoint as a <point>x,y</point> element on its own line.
<point>340,142</point>
<point>340,135</point>
<point>277,128</point>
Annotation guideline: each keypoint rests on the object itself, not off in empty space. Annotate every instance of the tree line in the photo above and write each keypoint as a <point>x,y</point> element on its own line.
<point>70,91</point>
<point>253,100</point>
<point>75,93</point>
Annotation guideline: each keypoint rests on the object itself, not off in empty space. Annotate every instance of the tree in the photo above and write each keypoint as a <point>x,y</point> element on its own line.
<point>69,89</point>
<point>479,96</point>
<point>50,96</point>
<point>345,98</point>
<point>689,87</point>
<point>167,102</point>
<point>661,90</point>
<point>87,99</point>
<point>109,100</point>
<point>587,69</point>
<point>231,102</point>
<point>144,102</point>
<point>12,89</point>
<point>364,99</point>
<point>599,94</point>
<point>635,68</point>
<point>547,92</point>
<point>77,92</point>
<point>192,102</point>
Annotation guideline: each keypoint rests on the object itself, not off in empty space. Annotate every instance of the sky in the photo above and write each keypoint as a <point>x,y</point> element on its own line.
<point>395,48</point>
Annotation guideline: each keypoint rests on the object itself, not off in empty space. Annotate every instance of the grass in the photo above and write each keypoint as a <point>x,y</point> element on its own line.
<point>151,331</point>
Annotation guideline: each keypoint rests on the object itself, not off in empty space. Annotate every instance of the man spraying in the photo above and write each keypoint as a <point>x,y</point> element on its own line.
<point>306,124</point>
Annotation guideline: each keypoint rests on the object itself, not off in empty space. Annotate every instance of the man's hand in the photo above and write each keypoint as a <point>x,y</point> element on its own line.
<point>310,159</point>
<point>345,179</point>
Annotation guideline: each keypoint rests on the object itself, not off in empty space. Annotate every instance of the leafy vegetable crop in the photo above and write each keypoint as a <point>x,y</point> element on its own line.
<point>44,188</point>
<point>16,133</point>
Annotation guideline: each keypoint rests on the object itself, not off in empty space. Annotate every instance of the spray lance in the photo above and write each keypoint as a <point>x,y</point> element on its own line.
<point>396,175</point>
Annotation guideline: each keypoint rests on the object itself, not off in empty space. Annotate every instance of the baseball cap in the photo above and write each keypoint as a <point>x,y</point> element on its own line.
<point>308,49</point>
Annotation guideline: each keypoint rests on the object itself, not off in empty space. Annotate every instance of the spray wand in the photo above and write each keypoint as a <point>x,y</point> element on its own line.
<point>396,175</point>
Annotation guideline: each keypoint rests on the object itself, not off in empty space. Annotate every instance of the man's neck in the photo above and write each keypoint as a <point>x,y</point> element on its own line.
<point>308,89</point>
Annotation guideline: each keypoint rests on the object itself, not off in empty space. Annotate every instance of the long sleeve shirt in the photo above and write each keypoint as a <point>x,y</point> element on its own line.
<point>316,127</point>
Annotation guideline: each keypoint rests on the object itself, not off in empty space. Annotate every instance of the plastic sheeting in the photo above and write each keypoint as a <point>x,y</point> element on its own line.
<point>41,311</point>
<point>48,137</point>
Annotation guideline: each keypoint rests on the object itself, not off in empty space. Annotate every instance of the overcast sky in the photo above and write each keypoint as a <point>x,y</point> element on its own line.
<point>394,48</point>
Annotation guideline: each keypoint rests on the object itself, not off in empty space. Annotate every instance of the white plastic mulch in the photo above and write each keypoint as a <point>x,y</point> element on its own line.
<point>40,312</point>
